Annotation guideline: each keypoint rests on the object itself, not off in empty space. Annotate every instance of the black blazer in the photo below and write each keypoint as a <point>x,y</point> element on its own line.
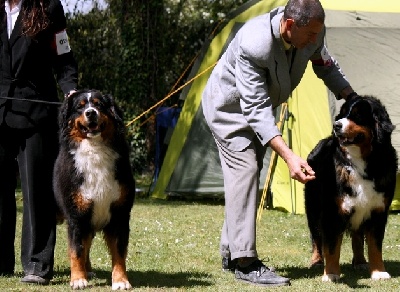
<point>30,69</point>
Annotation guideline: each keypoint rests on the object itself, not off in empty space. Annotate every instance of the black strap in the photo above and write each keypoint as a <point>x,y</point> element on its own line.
<point>31,100</point>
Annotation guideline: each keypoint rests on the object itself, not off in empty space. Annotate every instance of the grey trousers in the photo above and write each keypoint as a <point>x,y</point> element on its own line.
<point>241,172</point>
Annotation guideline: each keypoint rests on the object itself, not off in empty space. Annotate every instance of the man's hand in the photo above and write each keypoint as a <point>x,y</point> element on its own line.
<point>347,93</point>
<point>298,167</point>
<point>69,93</point>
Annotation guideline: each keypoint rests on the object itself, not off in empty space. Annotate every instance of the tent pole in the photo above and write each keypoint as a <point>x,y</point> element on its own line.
<point>272,162</point>
<point>291,182</point>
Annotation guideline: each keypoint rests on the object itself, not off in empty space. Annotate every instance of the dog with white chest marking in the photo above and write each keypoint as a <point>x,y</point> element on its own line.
<point>355,171</point>
<point>93,182</point>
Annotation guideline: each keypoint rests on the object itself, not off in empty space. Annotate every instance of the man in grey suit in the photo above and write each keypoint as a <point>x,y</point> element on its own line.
<point>260,68</point>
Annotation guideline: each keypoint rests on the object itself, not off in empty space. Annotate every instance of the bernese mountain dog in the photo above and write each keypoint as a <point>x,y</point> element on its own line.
<point>355,171</point>
<point>93,182</point>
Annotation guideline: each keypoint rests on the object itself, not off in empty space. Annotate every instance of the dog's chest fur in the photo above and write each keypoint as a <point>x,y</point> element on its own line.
<point>364,198</point>
<point>96,162</point>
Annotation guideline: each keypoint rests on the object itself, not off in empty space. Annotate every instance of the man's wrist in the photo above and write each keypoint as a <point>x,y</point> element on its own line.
<point>351,95</point>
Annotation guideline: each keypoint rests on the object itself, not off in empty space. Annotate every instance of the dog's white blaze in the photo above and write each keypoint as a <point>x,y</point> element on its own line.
<point>96,162</point>
<point>91,107</point>
<point>366,198</point>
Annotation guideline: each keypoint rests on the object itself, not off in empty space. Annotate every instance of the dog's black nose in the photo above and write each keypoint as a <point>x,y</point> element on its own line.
<point>337,126</point>
<point>90,113</point>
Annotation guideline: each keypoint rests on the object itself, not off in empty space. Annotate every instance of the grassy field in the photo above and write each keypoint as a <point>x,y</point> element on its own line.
<point>174,247</point>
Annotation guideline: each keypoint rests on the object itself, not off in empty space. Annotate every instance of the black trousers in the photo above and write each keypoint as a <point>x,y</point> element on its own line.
<point>31,152</point>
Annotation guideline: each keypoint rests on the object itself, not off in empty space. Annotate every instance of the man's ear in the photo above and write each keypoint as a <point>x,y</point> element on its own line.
<point>289,23</point>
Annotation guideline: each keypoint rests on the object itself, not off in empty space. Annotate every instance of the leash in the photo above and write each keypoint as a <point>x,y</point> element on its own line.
<point>31,100</point>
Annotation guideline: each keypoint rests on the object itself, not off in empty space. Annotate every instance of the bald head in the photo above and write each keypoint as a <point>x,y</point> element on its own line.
<point>302,11</point>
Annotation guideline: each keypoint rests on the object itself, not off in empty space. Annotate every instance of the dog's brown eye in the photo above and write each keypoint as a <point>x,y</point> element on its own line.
<point>96,102</point>
<point>80,104</point>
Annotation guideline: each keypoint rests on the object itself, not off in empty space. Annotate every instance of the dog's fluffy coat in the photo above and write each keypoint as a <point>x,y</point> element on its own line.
<point>93,182</point>
<point>355,171</point>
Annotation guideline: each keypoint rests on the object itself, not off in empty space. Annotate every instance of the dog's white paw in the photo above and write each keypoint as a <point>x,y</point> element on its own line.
<point>78,284</point>
<point>380,275</point>
<point>123,285</point>
<point>330,278</point>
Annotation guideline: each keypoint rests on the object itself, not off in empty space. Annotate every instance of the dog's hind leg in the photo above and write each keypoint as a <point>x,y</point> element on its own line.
<point>317,259</point>
<point>332,256</point>
<point>118,246</point>
<point>89,271</point>
<point>357,244</point>
<point>313,213</point>
<point>78,258</point>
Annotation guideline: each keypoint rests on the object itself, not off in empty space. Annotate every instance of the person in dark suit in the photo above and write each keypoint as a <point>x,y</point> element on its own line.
<point>34,56</point>
<point>262,65</point>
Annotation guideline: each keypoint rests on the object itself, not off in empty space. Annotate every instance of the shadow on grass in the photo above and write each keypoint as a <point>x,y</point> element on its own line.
<point>154,279</point>
<point>149,279</point>
<point>349,276</point>
<point>180,201</point>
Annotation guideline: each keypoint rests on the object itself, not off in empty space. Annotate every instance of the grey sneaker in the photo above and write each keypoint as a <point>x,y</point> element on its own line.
<point>229,265</point>
<point>33,279</point>
<point>258,274</point>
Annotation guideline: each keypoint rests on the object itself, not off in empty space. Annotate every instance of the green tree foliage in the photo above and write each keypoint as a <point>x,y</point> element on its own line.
<point>140,51</point>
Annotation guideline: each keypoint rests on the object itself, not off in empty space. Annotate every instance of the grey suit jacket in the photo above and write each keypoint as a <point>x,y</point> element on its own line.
<point>254,76</point>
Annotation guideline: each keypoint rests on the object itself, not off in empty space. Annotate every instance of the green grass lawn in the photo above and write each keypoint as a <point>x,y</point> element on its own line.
<point>174,246</point>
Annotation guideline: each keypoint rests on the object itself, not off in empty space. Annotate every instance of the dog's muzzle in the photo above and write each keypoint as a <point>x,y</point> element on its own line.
<point>345,138</point>
<point>337,128</point>
<point>92,125</point>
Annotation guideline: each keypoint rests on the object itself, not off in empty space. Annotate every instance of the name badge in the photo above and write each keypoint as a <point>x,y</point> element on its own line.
<point>326,57</point>
<point>62,43</point>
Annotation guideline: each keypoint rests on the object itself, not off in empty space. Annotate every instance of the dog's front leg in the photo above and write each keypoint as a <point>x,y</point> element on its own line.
<point>79,253</point>
<point>118,249</point>
<point>332,256</point>
<point>376,264</point>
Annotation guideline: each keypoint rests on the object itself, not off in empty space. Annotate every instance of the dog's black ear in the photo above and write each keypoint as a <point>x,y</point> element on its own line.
<point>383,127</point>
<point>65,110</point>
<point>115,110</point>
<point>383,124</point>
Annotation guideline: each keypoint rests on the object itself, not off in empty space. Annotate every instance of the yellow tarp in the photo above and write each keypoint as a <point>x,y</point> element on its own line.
<point>309,121</point>
<point>362,5</point>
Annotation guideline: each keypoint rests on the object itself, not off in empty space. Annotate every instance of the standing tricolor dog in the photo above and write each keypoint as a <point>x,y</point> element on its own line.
<point>93,182</point>
<point>355,171</point>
